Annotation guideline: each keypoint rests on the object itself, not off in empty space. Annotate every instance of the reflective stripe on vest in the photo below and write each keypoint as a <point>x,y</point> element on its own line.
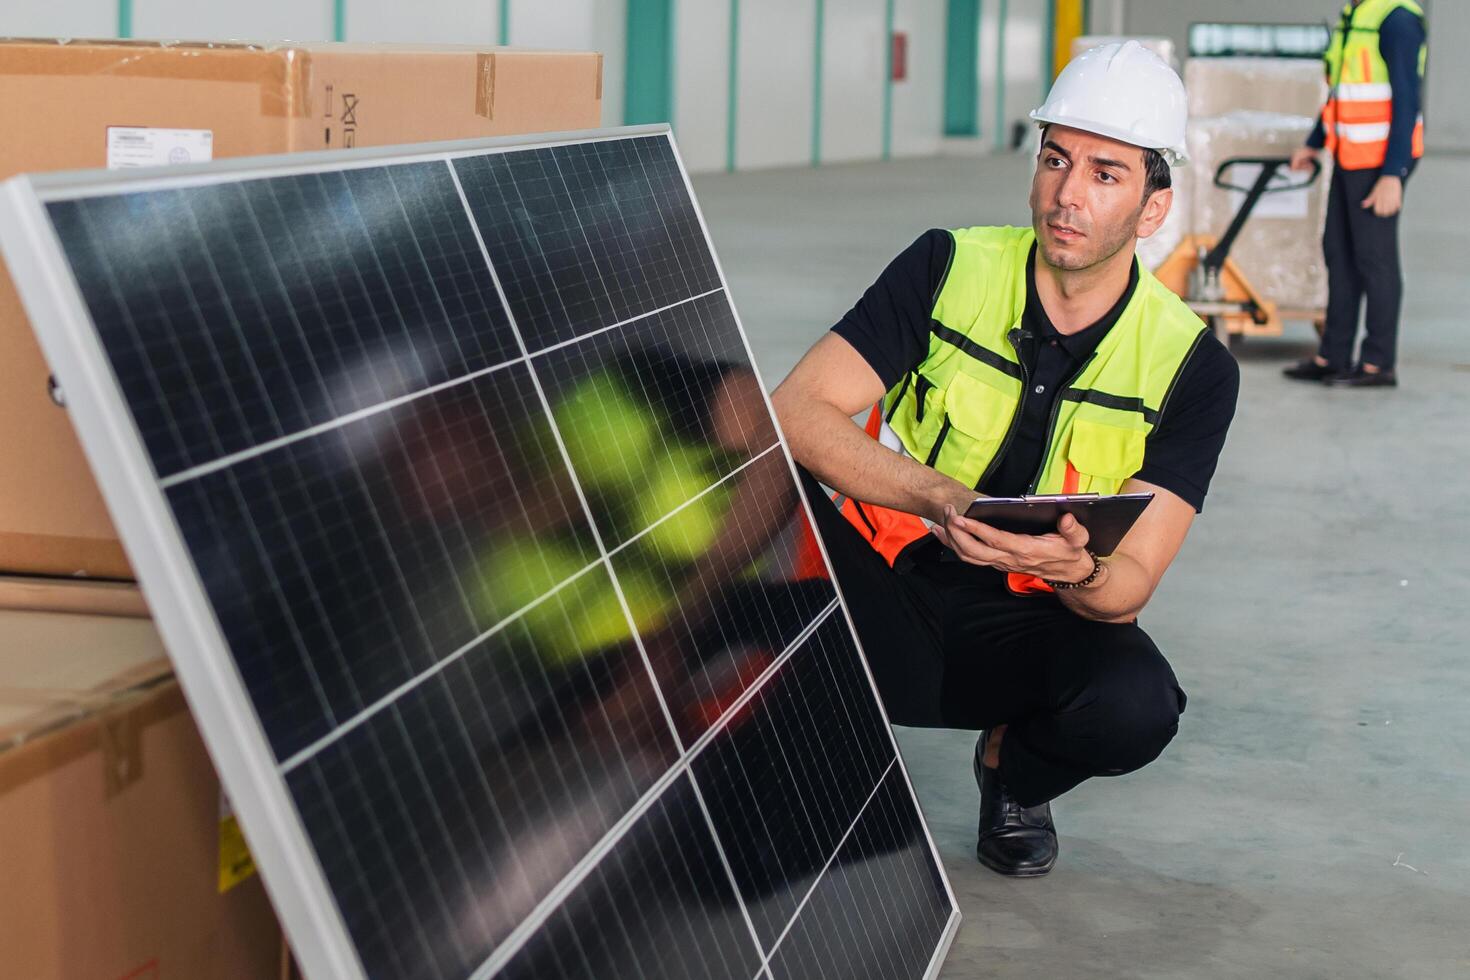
<point>957,410</point>
<point>1359,110</point>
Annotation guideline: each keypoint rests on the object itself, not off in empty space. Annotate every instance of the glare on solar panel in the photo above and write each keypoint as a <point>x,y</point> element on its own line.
<point>457,498</point>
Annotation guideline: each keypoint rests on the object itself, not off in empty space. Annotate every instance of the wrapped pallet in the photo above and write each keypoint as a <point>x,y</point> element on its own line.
<point>1217,86</point>
<point>1279,249</point>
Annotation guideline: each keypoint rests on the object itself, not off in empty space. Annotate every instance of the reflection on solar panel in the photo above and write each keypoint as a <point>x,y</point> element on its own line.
<point>459,503</point>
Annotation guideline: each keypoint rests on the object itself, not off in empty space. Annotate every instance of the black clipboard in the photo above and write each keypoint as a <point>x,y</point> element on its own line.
<point>1107,519</point>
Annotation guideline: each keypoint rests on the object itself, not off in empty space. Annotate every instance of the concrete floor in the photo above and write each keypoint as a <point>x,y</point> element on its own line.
<point>1317,618</point>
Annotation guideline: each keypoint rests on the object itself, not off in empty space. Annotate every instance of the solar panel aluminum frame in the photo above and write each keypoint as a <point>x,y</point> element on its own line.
<point>114,448</point>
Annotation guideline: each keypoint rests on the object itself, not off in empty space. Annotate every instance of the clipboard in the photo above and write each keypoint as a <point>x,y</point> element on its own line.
<point>1107,519</point>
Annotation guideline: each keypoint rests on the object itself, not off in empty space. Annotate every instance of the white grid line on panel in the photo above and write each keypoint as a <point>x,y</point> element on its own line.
<point>234,733</point>
<point>621,323</point>
<point>548,905</point>
<point>682,766</point>
<point>377,706</point>
<point>438,888</point>
<point>369,711</point>
<point>826,558</point>
<point>552,901</point>
<point>567,460</point>
<point>832,857</point>
<point>737,471</point>
<point>580,227</point>
<point>341,421</point>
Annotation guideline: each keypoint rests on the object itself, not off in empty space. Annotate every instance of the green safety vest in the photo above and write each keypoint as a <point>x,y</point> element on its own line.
<point>958,410</point>
<point>1359,108</point>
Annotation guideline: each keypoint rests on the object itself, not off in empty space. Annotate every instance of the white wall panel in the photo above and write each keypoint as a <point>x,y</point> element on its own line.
<point>1025,30</point>
<point>990,130</point>
<point>258,20</point>
<point>610,36</point>
<point>551,23</point>
<point>774,119</point>
<point>424,21</point>
<point>853,61</point>
<point>701,81</point>
<point>918,102</point>
<point>48,18</point>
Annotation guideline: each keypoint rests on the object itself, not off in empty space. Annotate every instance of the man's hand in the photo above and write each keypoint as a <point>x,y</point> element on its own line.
<point>1386,198</point>
<point>1059,557</point>
<point>1302,158</point>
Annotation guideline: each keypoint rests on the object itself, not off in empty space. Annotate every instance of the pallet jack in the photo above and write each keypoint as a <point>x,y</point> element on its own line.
<point>1201,271</point>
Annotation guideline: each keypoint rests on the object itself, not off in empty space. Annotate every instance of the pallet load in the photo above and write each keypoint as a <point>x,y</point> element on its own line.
<point>1246,115</point>
<point>1280,247</point>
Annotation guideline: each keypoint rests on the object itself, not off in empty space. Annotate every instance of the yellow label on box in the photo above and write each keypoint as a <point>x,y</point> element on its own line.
<point>235,862</point>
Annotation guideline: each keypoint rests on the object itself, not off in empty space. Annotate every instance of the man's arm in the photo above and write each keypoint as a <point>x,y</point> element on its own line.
<point>1127,578</point>
<point>1400,38</point>
<point>1177,468</point>
<point>815,404</point>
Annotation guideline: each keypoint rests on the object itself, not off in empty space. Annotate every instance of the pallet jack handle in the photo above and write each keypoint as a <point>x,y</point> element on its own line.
<point>1214,260</point>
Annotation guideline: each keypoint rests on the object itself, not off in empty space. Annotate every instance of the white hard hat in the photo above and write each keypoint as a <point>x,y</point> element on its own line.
<point>1125,92</point>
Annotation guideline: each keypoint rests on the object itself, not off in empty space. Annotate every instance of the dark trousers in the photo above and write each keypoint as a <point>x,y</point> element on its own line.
<point>1361,251</point>
<point>951,647</point>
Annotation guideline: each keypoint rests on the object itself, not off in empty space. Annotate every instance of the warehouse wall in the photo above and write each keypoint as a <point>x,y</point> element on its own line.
<point>809,76</point>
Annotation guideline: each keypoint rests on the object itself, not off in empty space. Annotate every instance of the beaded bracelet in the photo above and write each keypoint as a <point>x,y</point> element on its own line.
<point>1096,571</point>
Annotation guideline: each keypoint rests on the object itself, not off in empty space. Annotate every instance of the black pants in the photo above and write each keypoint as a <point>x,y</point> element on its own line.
<point>951,647</point>
<point>1361,251</point>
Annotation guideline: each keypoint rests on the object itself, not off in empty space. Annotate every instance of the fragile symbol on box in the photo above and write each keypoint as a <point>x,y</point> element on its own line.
<point>348,119</point>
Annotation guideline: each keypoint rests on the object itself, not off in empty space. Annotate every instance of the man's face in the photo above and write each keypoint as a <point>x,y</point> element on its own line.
<point>1087,200</point>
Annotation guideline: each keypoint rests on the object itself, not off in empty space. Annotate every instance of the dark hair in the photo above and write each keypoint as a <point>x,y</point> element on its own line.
<point>1155,173</point>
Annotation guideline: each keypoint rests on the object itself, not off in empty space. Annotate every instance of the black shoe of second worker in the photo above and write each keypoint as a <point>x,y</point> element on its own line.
<point>1017,841</point>
<point>1310,370</point>
<point>1358,378</point>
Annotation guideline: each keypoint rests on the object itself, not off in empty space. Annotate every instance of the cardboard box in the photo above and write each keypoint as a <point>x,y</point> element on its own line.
<point>114,847</point>
<point>85,104</point>
<point>1280,248</point>
<point>62,595</point>
<point>1291,86</point>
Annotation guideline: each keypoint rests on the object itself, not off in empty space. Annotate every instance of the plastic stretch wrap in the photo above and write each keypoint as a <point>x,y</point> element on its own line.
<point>1161,46</point>
<point>1280,247</point>
<point>1217,86</point>
<point>1152,251</point>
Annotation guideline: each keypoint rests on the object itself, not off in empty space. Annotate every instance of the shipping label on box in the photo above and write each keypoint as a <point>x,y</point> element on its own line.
<point>235,863</point>
<point>142,146</point>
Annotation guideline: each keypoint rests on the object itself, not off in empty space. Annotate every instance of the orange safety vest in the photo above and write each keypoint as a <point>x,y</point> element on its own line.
<point>1359,110</point>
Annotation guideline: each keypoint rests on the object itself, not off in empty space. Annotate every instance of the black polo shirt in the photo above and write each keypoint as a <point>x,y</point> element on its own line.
<point>890,328</point>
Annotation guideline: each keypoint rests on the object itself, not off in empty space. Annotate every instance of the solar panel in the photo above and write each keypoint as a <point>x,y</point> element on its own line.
<point>455,493</point>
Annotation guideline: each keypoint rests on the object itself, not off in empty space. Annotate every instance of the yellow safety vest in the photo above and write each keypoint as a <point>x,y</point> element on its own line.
<point>958,410</point>
<point>1359,108</point>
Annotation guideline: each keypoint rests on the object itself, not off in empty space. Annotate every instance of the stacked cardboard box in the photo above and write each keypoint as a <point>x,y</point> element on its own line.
<point>85,104</point>
<point>1290,86</point>
<point>119,857</point>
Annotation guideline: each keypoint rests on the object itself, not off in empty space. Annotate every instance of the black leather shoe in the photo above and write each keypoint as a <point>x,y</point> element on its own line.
<point>1310,370</point>
<point>1017,841</point>
<point>1358,378</point>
